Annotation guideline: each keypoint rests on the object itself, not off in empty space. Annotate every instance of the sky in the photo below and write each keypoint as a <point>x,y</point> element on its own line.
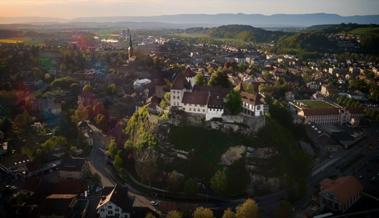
<point>88,8</point>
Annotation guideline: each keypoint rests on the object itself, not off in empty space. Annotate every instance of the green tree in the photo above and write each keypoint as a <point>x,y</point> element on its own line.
<point>190,187</point>
<point>219,78</point>
<point>112,148</point>
<point>219,182</point>
<point>141,130</point>
<point>174,214</point>
<point>228,213</point>
<point>202,212</point>
<point>199,79</point>
<point>233,102</point>
<point>165,102</point>
<point>118,161</point>
<point>248,209</point>
<point>53,142</point>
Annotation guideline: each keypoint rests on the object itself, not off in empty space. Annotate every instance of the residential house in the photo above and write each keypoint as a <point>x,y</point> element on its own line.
<point>118,202</point>
<point>340,194</point>
<point>253,104</point>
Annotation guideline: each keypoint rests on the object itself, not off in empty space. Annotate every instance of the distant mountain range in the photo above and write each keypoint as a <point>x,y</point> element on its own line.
<point>258,20</point>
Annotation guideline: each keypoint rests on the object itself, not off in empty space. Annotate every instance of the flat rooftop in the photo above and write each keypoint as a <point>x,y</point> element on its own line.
<point>314,104</point>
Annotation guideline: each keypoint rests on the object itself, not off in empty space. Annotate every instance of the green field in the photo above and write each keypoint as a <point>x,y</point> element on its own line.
<point>314,104</point>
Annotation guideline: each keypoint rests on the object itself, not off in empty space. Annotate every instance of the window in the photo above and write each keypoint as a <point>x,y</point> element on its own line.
<point>110,212</point>
<point>117,209</point>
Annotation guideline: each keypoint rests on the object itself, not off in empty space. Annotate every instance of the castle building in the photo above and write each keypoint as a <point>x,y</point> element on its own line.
<point>208,101</point>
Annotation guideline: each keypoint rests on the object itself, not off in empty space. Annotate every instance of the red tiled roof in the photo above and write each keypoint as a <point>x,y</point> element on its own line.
<point>250,98</point>
<point>344,188</point>
<point>196,97</point>
<point>189,73</point>
<point>180,82</point>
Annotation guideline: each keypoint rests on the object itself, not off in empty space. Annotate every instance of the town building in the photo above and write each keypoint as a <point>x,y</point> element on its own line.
<point>118,202</point>
<point>340,194</point>
<point>319,112</point>
<point>209,101</point>
<point>253,103</point>
<point>186,96</point>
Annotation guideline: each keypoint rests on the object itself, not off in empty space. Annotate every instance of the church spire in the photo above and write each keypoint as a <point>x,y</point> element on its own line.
<point>130,49</point>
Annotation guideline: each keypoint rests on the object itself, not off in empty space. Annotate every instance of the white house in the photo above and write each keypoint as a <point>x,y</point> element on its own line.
<point>207,101</point>
<point>115,204</point>
<point>253,104</point>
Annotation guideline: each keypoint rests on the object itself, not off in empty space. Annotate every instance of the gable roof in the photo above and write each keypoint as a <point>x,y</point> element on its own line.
<point>180,82</point>
<point>189,72</point>
<point>251,98</point>
<point>118,196</point>
<point>343,188</point>
<point>196,97</point>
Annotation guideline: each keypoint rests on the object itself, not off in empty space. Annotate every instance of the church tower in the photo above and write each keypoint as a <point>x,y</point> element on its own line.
<point>130,48</point>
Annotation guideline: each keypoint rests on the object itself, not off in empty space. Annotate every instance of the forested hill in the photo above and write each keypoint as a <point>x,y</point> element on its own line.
<point>243,33</point>
<point>352,38</point>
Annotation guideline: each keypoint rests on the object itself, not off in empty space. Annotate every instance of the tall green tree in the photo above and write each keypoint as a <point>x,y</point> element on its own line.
<point>199,79</point>
<point>219,182</point>
<point>233,102</point>
<point>219,78</point>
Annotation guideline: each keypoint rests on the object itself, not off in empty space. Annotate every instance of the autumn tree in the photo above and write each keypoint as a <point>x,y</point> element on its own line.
<point>202,212</point>
<point>228,213</point>
<point>248,209</point>
<point>174,214</point>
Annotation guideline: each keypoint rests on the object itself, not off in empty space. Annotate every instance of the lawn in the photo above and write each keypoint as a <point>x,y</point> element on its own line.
<point>313,104</point>
<point>208,147</point>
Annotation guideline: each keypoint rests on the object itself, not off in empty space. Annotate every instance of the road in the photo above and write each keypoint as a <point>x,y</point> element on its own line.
<point>97,160</point>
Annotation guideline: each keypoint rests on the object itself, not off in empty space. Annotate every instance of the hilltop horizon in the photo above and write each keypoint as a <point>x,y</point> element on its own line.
<point>253,19</point>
